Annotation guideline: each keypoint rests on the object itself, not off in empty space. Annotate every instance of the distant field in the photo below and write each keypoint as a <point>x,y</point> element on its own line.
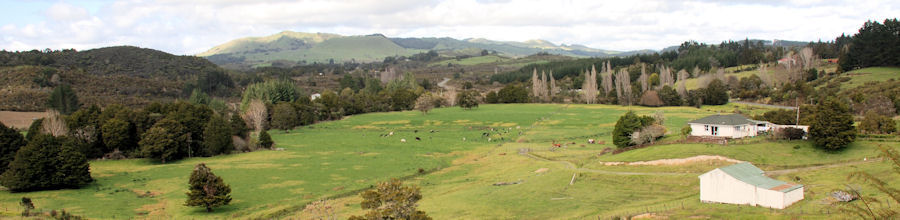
<point>463,153</point>
<point>471,60</point>
<point>20,120</point>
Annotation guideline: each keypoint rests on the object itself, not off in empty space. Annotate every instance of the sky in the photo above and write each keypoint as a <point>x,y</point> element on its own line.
<point>187,27</point>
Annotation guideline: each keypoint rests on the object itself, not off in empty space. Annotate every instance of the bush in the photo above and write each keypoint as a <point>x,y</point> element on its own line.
<point>167,140</point>
<point>874,123</point>
<point>467,99</point>
<point>626,125</point>
<point>790,133</point>
<point>284,116</point>
<point>265,141</point>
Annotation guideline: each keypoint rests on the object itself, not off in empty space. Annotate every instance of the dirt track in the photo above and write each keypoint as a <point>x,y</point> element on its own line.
<point>20,120</point>
<point>676,161</point>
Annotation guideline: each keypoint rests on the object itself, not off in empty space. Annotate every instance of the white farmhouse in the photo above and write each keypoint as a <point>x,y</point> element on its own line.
<point>728,126</point>
<point>745,184</point>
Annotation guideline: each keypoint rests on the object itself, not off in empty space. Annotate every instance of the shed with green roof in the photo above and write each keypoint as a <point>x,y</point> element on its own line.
<point>743,183</point>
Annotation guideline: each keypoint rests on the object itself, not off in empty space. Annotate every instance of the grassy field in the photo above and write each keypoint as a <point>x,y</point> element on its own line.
<point>460,164</point>
<point>872,74</point>
<point>471,60</point>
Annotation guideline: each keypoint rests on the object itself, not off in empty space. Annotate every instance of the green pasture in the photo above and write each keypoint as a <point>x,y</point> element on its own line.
<point>872,74</point>
<point>458,159</point>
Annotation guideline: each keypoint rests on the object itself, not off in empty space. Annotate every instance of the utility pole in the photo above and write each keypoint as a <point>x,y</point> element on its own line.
<point>797,102</point>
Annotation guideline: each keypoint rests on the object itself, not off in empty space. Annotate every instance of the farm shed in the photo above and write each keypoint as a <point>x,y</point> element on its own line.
<point>744,183</point>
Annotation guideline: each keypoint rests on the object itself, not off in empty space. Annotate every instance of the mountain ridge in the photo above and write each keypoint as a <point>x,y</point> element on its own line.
<point>301,48</point>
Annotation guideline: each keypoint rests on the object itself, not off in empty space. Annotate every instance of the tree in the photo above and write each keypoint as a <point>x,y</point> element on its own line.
<point>167,140</point>
<point>876,44</point>
<point>512,94</point>
<point>118,134</point>
<point>270,92</point>
<point>491,97</point>
<point>467,99</point>
<point>257,115</point>
<point>63,99</point>
<point>238,126</point>
<point>832,125</point>
<point>626,125</point>
<point>34,129</point>
<point>284,116</point>
<point>47,162</point>
<point>425,103</point>
<point>10,142</point>
<point>650,98</point>
<point>392,200</point>
<point>716,93</point>
<point>54,124</point>
<point>207,189</point>
<point>27,206</point>
<point>216,137</point>
<point>265,140</point>
<point>589,88</point>
<point>779,116</point>
<point>874,123</point>
<point>402,99</point>
<point>669,96</point>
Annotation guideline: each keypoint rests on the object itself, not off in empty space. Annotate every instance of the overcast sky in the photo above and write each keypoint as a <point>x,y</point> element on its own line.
<point>193,26</point>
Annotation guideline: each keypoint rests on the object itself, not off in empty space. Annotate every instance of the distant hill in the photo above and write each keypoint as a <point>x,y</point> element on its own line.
<point>125,75</point>
<point>293,48</point>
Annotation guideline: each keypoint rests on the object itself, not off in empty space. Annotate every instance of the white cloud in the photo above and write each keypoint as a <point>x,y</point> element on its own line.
<point>189,27</point>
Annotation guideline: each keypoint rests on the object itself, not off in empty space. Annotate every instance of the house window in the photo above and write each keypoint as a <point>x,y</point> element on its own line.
<point>715,130</point>
<point>706,127</point>
<point>737,128</point>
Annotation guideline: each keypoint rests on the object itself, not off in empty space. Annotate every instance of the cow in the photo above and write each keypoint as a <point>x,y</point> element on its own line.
<point>418,139</point>
<point>403,140</point>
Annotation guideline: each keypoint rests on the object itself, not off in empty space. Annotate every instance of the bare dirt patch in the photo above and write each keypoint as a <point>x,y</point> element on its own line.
<point>20,120</point>
<point>676,161</point>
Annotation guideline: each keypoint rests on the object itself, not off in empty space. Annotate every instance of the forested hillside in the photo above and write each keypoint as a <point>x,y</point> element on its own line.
<point>124,75</point>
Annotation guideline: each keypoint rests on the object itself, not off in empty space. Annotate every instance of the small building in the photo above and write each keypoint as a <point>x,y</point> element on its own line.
<point>728,126</point>
<point>745,184</point>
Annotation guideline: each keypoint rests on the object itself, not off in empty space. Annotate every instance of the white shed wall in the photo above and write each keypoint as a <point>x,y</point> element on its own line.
<point>718,186</point>
<point>793,196</point>
<point>770,198</point>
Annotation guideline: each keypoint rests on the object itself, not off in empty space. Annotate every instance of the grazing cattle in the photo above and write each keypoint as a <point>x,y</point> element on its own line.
<point>590,141</point>
<point>418,139</point>
<point>432,131</point>
<point>557,145</point>
<point>415,131</point>
<point>403,140</point>
<point>391,133</point>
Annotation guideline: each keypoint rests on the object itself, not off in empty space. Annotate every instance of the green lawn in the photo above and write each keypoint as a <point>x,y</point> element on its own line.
<point>341,157</point>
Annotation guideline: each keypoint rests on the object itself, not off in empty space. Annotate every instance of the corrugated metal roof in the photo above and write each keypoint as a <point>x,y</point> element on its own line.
<point>732,119</point>
<point>746,172</point>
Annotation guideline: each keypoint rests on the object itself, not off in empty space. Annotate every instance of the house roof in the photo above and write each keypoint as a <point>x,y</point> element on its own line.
<point>732,119</point>
<point>746,172</point>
